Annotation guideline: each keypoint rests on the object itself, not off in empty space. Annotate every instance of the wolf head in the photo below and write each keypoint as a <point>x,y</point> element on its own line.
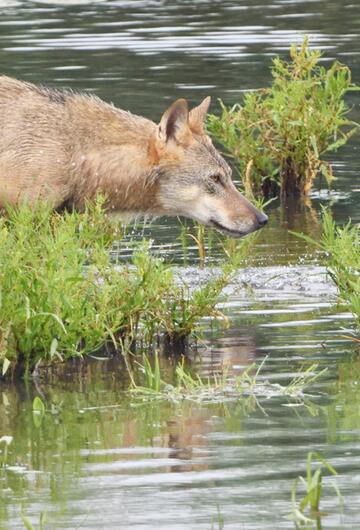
<point>194,180</point>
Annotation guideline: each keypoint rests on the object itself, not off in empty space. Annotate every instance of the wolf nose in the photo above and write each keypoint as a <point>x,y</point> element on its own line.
<point>263,219</point>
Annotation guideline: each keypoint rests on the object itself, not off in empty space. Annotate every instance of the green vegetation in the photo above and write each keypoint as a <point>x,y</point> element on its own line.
<point>212,247</point>
<point>217,388</point>
<point>278,135</point>
<point>312,484</point>
<point>218,521</point>
<point>62,296</point>
<point>342,250</point>
<point>27,524</point>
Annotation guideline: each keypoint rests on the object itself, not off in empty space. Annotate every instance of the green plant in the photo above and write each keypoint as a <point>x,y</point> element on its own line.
<point>27,524</point>
<point>52,303</point>
<point>303,379</point>
<point>220,387</point>
<point>312,484</point>
<point>61,294</point>
<point>152,375</point>
<point>38,411</point>
<point>213,248</point>
<point>278,135</point>
<point>218,520</point>
<point>341,246</point>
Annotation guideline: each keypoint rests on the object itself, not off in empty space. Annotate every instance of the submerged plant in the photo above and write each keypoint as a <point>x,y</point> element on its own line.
<point>312,484</point>
<point>277,136</point>
<point>217,387</point>
<point>29,526</point>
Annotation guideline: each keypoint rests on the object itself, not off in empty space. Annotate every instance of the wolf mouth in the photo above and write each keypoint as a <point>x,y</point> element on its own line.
<point>227,231</point>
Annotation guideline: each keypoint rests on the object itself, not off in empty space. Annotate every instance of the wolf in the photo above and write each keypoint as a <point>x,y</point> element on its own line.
<point>66,148</point>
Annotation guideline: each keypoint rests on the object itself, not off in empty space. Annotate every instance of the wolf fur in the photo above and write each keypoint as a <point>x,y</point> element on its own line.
<point>66,148</point>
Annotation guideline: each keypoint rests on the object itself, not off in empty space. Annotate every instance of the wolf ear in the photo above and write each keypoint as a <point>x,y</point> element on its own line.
<point>174,123</point>
<point>197,116</point>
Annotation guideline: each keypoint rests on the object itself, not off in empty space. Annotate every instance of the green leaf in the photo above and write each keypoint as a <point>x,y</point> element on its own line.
<point>53,347</point>
<point>38,411</point>
<point>314,145</point>
<point>26,522</point>
<point>38,406</point>
<point>5,366</point>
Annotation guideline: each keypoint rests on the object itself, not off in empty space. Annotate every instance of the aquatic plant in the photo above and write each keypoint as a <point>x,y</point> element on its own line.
<point>150,383</point>
<point>277,136</point>
<point>38,411</point>
<point>341,247</point>
<point>62,295</point>
<point>217,520</point>
<point>27,524</point>
<point>211,247</point>
<point>312,484</point>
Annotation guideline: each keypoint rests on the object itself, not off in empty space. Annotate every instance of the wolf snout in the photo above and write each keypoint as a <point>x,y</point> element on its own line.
<point>262,219</point>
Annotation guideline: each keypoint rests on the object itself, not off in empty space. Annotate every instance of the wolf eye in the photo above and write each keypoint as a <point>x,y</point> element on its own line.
<point>214,182</point>
<point>217,179</point>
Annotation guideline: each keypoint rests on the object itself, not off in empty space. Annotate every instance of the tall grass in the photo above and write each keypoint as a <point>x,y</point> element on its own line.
<point>277,136</point>
<point>61,295</point>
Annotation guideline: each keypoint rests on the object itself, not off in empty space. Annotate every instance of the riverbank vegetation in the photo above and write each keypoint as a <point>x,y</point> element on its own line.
<point>278,136</point>
<point>63,294</point>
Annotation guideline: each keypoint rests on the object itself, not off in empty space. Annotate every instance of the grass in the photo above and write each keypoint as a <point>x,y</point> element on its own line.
<point>61,295</point>
<point>29,526</point>
<point>149,383</point>
<point>277,136</point>
<point>210,246</point>
<point>341,246</point>
<point>312,484</point>
<point>217,520</point>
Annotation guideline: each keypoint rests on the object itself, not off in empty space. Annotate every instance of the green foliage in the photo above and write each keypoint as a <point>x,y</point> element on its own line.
<point>215,388</point>
<point>312,484</point>
<point>27,524</point>
<point>278,135</point>
<point>38,411</point>
<point>342,250</point>
<point>50,306</point>
<point>62,296</point>
<point>38,406</point>
<point>342,246</point>
<point>218,520</point>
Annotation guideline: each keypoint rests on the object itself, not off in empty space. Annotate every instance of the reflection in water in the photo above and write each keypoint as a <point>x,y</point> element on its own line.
<point>98,460</point>
<point>92,446</point>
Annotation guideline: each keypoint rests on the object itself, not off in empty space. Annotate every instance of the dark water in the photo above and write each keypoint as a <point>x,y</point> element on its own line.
<point>97,459</point>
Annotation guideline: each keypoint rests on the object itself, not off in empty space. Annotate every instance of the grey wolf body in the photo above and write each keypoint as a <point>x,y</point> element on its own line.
<point>66,148</point>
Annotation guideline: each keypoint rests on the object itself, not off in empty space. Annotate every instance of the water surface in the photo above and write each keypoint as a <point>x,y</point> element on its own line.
<point>96,459</point>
